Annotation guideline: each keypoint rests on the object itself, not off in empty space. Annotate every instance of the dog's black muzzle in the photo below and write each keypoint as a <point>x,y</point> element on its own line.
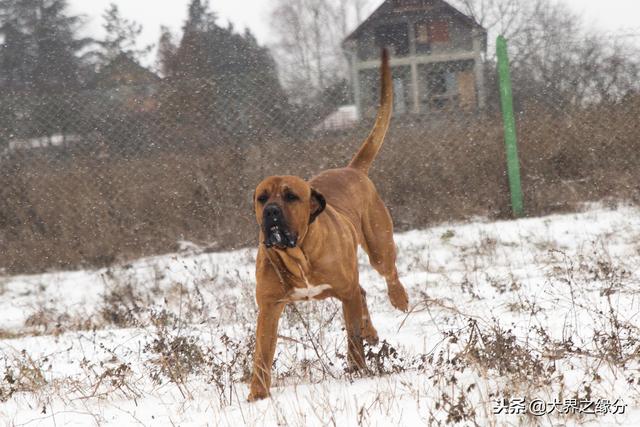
<point>275,229</point>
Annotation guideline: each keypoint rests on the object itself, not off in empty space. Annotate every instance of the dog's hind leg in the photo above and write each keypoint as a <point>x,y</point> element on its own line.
<point>377,229</point>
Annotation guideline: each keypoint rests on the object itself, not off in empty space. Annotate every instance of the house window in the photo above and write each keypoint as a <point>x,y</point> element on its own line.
<point>395,37</point>
<point>422,33</point>
<point>402,90</point>
<point>440,32</point>
<point>370,90</point>
<point>437,84</point>
<point>399,101</point>
<point>428,33</point>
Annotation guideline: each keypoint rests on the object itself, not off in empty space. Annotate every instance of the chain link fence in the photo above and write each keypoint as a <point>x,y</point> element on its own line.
<point>107,174</point>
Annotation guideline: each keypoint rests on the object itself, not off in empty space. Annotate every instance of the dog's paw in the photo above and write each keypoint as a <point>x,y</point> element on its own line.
<point>372,339</point>
<point>257,395</point>
<point>399,298</point>
<point>370,335</point>
<point>356,364</point>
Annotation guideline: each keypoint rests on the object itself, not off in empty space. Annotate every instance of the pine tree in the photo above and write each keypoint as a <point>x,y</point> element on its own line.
<point>238,73</point>
<point>121,37</point>
<point>15,55</point>
<point>210,51</point>
<point>199,18</point>
<point>167,49</point>
<point>57,64</point>
<point>41,51</point>
<point>191,58</point>
<point>17,52</point>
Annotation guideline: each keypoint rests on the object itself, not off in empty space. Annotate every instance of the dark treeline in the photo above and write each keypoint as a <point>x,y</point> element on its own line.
<point>211,78</point>
<point>219,74</point>
<point>41,49</point>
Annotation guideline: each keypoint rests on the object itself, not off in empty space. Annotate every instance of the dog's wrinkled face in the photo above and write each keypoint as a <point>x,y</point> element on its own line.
<point>285,206</point>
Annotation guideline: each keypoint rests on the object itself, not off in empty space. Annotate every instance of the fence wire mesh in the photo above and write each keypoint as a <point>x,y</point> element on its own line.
<point>108,173</point>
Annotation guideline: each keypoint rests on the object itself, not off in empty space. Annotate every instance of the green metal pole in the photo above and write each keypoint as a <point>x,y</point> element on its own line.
<point>506,98</point>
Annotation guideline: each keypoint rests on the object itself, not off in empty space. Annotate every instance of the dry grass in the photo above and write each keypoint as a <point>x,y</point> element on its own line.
<point>78,209</point>
<point>471,363</point>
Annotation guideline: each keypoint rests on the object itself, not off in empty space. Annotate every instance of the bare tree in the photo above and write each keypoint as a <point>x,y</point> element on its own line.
<point>555,57</point>
<point>309,34</point>
<point>510,18</point>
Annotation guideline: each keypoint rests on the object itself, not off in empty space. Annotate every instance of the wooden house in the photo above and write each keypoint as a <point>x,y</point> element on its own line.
<point>127,84</point>
<point>436,57</point>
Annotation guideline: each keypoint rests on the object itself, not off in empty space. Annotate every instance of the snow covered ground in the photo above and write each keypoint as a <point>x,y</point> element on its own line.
<point>544,309</point>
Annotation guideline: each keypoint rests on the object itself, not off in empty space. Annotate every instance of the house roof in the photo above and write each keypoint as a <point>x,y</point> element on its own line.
<point>124,71</point>
<point>387,8</point>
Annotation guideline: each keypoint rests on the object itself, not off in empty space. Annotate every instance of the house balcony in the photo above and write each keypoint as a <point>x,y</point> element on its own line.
<point>409,59</point>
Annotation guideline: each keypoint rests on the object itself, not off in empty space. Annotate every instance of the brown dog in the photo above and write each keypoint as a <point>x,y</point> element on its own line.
<point>309,234</point>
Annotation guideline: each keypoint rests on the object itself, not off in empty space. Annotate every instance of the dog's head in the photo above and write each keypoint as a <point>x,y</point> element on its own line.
<point>285,207</point>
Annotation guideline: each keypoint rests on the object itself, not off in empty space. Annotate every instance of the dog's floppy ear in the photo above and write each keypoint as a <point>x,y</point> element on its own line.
<point>318,203</point>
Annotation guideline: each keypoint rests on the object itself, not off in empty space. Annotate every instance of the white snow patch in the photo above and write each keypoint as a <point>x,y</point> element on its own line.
<point>547,281</point>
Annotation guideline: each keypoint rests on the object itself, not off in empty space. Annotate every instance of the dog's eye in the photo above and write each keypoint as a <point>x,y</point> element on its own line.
<point>263,198</point>
<point>290,197</point>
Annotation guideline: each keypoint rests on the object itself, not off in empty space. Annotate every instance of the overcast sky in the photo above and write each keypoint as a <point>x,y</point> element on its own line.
<point>618,16</point>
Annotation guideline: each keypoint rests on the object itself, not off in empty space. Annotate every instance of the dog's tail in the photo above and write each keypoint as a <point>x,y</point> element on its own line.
<point>369,149</point>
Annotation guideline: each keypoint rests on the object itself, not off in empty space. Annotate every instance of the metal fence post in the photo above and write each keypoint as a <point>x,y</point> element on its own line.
<point>506,99</point>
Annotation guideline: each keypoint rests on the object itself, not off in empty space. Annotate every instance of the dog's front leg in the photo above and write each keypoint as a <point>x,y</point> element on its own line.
<point>266,337</point>
<point>353,312</point>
